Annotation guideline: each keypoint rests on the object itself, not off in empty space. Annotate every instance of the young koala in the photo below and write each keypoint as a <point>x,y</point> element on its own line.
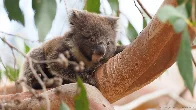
<point>92,40</point>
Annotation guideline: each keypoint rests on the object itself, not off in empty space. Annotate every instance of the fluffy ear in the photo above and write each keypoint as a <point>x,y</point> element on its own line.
<point>74,16</point>
<point>113,21</point>
<point>75,13</point>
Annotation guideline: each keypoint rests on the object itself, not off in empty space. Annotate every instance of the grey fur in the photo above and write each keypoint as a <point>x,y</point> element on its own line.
<point>92,39</point>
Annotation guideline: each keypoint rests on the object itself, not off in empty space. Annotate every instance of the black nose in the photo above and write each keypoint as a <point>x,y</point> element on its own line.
<point>99,50</point>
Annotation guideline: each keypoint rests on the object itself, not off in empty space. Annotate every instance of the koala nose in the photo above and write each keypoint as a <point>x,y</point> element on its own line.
<point>99,50</point>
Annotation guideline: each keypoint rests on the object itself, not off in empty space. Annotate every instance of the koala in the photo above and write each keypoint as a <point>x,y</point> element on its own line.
<point>90,42</point>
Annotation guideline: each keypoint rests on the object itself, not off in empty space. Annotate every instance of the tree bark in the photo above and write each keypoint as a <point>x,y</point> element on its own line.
<point>140,63</point>
<point>144,60</point>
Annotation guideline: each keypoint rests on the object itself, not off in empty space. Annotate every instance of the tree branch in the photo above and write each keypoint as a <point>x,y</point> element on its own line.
<point>68,91</point>
<point>154,50</point>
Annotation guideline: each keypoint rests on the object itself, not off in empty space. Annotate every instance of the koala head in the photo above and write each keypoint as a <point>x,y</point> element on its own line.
<point>95,35</point>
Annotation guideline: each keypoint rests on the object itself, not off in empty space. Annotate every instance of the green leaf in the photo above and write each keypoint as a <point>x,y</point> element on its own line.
<point>114,5</point>
<point>144,23</point>
<point>119,42</point>
<point>168,11</point>
<point>131,32</point>
<point>26,48</point>
<point>42,108</point>
<point>81,100</point>
<point>12,73</point>
<point>182,9</point>
<point>92,6</point>
<point>189,7</point>
<point>179,25</point>
<point>45,13</point>
<point>184,61</point>
<point>180,1</point>
<point>194,23</point>
<point>63,106</point>
<point>13,10</point>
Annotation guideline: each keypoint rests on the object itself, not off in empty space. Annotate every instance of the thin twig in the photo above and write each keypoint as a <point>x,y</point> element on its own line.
<point>139,9</point>
<point>40,82</point>
<point>32,69</point>
<point>3,64</point>
<point>42,72</point>
<point>193,11</point>
<point>172,102</point>
<point>193,60</point>
<point>35,61</point>
<point>138,1</point>
<point>14,59</point>
<point>18,36</point>
<point>4,90</point>
<point>151,96</point>
<point>12,47</point>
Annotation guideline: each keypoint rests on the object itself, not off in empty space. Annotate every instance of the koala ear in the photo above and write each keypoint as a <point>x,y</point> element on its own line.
<point>113,21</point>
<point>74,16</point>
<point>75,13</point>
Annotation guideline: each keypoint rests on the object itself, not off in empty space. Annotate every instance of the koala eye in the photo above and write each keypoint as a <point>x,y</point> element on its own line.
<point>92,39</point>
<point>108,43</point>
<point>71,23</point>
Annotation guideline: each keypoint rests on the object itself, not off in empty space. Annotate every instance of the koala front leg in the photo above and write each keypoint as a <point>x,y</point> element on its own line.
<point>59,69</point>
<point>88,75</point>
<point>120,49</point>
<point>36,54</point>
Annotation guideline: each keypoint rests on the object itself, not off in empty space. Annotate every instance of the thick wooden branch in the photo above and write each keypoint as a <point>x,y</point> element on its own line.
<point>140,63</point>
<point>68,91</point>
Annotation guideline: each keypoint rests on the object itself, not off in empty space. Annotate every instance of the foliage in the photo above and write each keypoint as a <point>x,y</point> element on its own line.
<point>92,6</point>
<point>63,106</point>
<point>114,5</point>
<point>14,10</point>
<point>45,13</point>
<point>144,23</point>
<point>27,48</point>
<point>184,61</point>
<point>81,100</point>
<point>11,73</point>
<point>178,18</point>
<point>131,32</point>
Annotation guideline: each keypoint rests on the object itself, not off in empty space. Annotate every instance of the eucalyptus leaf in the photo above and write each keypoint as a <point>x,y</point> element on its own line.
<point>194,23</point>
<point>167,12</point>
<point>114,5</point>
<point>45,11</point>
<point>92,6</point>
<point>184,61</point>
<point>120,43</point>
<point>81,100</point>
<point>180,1</point>
<point>13,10</point>
<point>131,32</point>
<point>179,25</point>
<point>27,48</point>
<point>63,106</point>
<point>144,23</point>
<point>11,73</point>
<point>182,9</point>
<point>189,7</point>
